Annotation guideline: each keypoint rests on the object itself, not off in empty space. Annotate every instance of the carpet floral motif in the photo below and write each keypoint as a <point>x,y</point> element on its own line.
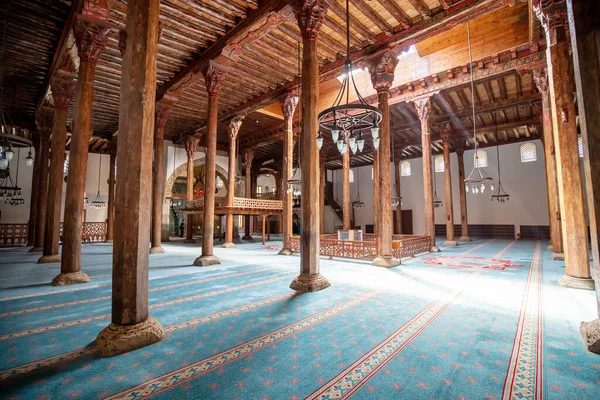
<point>473,262</point>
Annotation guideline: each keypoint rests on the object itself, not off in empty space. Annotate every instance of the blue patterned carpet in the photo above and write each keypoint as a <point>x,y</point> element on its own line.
<point>482,320</point>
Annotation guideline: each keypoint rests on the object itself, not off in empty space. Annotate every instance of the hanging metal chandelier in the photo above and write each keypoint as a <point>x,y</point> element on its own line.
<point>344,120</point>
<point>478,180</point>
<point>501,196</point>
<point>98,203</point>
<point>294,185</point>
<point>437,203</point>
<point>358,202</point>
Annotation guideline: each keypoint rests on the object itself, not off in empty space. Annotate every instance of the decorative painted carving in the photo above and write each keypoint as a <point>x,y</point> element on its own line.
<point>310,14</point>
<point>191,144</point>
<point>248,157</point>
<point>446,4</point>
<point>459,146</point>
<point>234,127</point>
<point>214,77</point>
<point>382,71</point>
<point>63,89</point>
<point>44,120</point>
<point>162,112</point>
<point>553,16</point>
<point>98,9</point>
<point>446,132</point>
<point>288,104</point>
<point>540,77</point>
<point>91,38</point>
<point>423,107</point>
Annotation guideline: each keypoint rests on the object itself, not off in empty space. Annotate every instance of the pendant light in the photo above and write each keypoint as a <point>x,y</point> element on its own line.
<point>395,199</point>
<point>295,184</point>
<point>17,198</point>
<point>501,196</point>
<point>98,202</point>
<point>29,160</point>
<point>357,203</point>
<point>437,203</point>
<point>478,180</point>
<point>6,125</point>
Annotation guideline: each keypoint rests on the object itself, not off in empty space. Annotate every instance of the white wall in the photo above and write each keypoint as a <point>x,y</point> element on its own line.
<point>18,214</point>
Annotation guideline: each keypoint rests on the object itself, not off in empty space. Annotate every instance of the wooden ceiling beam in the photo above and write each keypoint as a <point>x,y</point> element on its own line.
<point>421,8</point>
<point>488,90</point>
<point>355,24</point>
<point>397,12</point>
<point>368,12</point>
<point>502,87</point>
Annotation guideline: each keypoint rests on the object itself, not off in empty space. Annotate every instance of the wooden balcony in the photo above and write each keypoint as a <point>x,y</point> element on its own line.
<point>241,206</point>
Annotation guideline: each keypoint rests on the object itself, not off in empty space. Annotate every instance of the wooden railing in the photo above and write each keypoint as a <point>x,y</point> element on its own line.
<point>238,202</point>
<point>199,203</point>
<point>409,246</point>
<point>13,235</point>
<point>93,232</point>
<point>266,196</point>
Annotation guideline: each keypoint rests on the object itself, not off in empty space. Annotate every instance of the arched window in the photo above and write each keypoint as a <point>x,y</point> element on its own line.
<point>220,182</point>
<point>481,159</point>
<point>351,176</point>
<point>528,152</point>
<point>580,146</point>
<point>266,189</point>
<point>405,168</point>
<point>258,189</point>
<point>438,163</point>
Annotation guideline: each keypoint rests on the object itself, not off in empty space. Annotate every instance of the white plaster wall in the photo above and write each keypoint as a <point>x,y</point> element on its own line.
<point>18,214</point>
<point>266,180</point>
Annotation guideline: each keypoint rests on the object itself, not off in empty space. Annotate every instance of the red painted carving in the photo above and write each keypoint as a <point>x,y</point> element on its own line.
<point>288,105</point>
<point>446,4</point>
<point>459,146</point>
<point>382,71</point>
<point>99,9</point>
<point>191,144</point>
<point>446,132</point>
<point>510,3</point>
<point>310,14</point>
<point>162,112</point>
<point>540,77</point>
<point>63,89</point>
<point>91,39</point>
<point>215,75</point>
<point>234,127</point>
<point>248,157</point>
<point>423,107</point>
<point>564,115</point>
<point>553,16</point>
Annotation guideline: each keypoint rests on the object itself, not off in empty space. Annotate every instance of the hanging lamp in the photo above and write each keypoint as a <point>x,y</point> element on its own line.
<point>395,199</point>
<point>6,125</point>
<point>29,159</point>
<point>357,203</point>
<point>437,203</point>
<point>344,120</point>
<point>295,184</point>
<point>501,196</point>
<point>478,180</point>
<point>17,197</point>
<point>98,202</point>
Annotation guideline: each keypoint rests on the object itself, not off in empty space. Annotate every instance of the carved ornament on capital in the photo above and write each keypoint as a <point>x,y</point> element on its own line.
<point>234,127</point>
<point>540,77</point>
<point>248,157</point>
<point>446,132</point>
<point>553,17</point>
<point>63,89</point>
<point>423,107</point>
<point>162,112</point>
<point>214,77</point>
<point>310,15</point>
<point>382,71</point>
<point>288,104</point>
<point>44,121</point>
<point>459,147</point>
<point>191,145</point>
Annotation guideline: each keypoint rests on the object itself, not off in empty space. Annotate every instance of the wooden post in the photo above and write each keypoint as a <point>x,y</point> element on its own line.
<point>35,187</point>
<point>376,201</point>
<point>288,106</point>
<point>423,107</point>
<point>110,218</point>
<point>323,181</point>
<point>346,205</point>
<point>131,326</point>
<point>191,144</point>
<point>398,192</point>
<point>44,124</point>
<point>63,88</point>
<point>553,16</point>
<point>248,157</point>
<point>540,77</point>
<point>232,130</point>
<point>585,43</point>
<point>459,147</point>
<point>264,219</point>
<point>310,16</point>
<point>382,75</point>
<point>450,242</point>
<point>214,79</point>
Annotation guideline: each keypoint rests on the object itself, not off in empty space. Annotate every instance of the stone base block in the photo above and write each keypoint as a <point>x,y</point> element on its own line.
<point>157,250</point>
<point>549,247</point>
<point>118,339</point>
<point>54,258</point>
<point>205,261</point>
<point>189,241</point>
<point>450,243</point>
<point>36,249</point>
<point>248,238</point>
<point>71,278</point>
<point>464,239</point>
<point>309,283</point>
<point>285,252</point>
<point>558,256</point>
<point>434,249</point>
<point>385,261</point>
<point>591,335</point>
<point>576,283</point>
<point>108,241</point>
<point>228,245</point>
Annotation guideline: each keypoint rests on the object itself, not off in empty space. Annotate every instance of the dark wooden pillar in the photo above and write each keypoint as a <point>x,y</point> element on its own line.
<point>214,79</point>
<point>310,17</point>
<point>553,16</point>
<point>288,106</point>
<point>346,204</point>
<point>110,218</point>
<point>459,147</point>
<point>131,325</point>
<point>398,216</point>
<point>35,187</point>
<point>323,181</point>
<point>584,27</point>
<point>423,107</point>
<point>376,201</point>
<point>540,77</point>
<point>191,144</point>
<point>91,31</point>
<point>264,228</point>
<point>248,157</point>
<point>63,88</point>
<point>450,241</point>
<point>232,130</point>
<point>382,75</point>
<point>44,125</point>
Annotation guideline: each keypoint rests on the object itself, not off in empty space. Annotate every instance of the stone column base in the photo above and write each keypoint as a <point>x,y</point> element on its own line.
<point>228,245</point>
<point>249,238</point>
<point>285,252</point>
<point>36,249</point>
<point>309,283</point>
<point>189,241</point>
<point>464,239</point>
<point>118,339</point>
<point>558,256</point>
<point>591,335</point>
<point>108,241</point>
<point>157,250</point>
<point>434,249</point>
<point>205,261</point>
<point>450,243</point>
<point>576,283</point>
<point>71,278</point>
<point>385,261</point>
<point>549,247</point>
<point>53,258</point>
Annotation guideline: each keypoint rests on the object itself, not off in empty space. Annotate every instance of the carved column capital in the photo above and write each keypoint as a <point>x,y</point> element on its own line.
<point>63,89</point>
<point>446,133</point>
<point>44,121</point>
<point>191,144</point>
<point>459,146</point>
<point>288,104</point>
<point>162,112</point>
<point>91,29</point>
<point>540,77</point>
<point>234,127</point>
<point>214,77</point>
<point>382,70</point>
<point>553,17</point>
<point>248,157</point>
<point>423,107</point>
<point>310,14</point>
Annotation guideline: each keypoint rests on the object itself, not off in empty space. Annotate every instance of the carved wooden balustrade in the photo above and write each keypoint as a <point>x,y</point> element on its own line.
<point>410,245</point>
<point>13,235</point>
<point>93,232</point>
<point>241,206</point>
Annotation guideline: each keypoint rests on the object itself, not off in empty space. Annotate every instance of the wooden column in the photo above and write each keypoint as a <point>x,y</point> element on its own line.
<point>382,75</point>
<point>288,106</point>
<point>540,77</point>
<point>323,181</point>
<point>158,176</point>
<point>110,218</point>
<point>450,241</point>
<point>63,88</point>
<point>35,187</point>
<point>131,326</point>
<point>398,216</point>
<point>310,16</point>
<point>91,31</point>
<point>44,125</point>
<point>214,79</point>
<point>264,219</point>
<point>459,148</point>
<point>423,107</point>
<point>232,131</point>
<point>191,144</point>
<point>248,157</point>
<point>585,43</point>
<point>376,201</point>
<point>553,16</point>
<point>346,204</point>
